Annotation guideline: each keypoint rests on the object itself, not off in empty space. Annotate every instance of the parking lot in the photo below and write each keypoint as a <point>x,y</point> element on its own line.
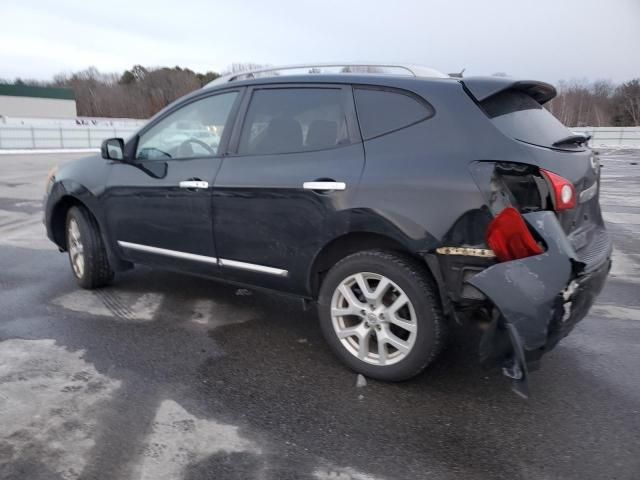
<point>164,376</point>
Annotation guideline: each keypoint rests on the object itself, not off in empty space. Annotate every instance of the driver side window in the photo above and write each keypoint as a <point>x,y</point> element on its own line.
<point>192,131</point>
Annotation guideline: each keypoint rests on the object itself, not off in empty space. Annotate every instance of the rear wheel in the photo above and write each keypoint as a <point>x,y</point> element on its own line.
<point>379,313</point>
<point>87,254</point>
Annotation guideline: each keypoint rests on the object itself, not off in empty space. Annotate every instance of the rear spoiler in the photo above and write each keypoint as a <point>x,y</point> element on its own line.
<point>482,88</point>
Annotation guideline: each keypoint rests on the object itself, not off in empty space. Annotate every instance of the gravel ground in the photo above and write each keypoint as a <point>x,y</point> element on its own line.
<point>163,376</point>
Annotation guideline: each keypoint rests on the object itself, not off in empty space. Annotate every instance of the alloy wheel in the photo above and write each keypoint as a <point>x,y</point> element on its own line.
<point>76,248</point>
<point>374,318</point>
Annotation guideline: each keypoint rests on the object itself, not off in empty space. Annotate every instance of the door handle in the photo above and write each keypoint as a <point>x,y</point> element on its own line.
<point>324,186</point>
<point>194,184</point>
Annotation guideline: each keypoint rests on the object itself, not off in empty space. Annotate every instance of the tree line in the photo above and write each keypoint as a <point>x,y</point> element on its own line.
<point>140,92</point>
<point>597,104</point>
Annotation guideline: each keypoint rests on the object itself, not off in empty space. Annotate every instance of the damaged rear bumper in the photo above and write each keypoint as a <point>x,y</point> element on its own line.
<point>538,300</point>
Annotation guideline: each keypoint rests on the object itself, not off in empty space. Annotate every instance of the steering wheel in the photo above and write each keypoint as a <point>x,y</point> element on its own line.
<point>187,145</point>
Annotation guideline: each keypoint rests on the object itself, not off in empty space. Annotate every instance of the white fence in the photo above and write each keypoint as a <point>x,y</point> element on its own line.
<point>80,136</point>
<point>37,137</point>
<point>611,136</point>
<point>102,122</point>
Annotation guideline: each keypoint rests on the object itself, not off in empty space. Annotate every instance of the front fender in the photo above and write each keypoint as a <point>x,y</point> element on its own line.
<point>69,190</point>
<point>73,192</point>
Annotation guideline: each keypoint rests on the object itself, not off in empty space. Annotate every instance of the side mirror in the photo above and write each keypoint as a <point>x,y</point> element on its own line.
<point>112,149</point>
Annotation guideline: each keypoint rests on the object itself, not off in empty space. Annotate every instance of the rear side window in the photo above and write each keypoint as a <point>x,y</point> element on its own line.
<point>383,111</point>
<point>287,120</point>
<point>519,116</point>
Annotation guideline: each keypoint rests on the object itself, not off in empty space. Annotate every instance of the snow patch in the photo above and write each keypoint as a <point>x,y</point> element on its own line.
<point>19,229</point>
<point>622,218</point>
<point>339,473</point>
<point>625,266</point>
<point>179,439</point>
<point>616,312</point>
<point>49,405</point>
<point>122,305</point>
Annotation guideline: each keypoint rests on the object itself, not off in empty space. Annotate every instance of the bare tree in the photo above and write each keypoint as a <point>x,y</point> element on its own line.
<point>627,98</point>
<point>243,67</point>
<point>581,103</point>
<point>137,93</point>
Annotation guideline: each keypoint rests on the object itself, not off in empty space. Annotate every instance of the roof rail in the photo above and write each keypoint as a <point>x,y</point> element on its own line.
<point>331,68</point>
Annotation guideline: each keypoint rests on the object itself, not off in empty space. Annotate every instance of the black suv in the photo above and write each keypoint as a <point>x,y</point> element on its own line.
<point>400,202</point>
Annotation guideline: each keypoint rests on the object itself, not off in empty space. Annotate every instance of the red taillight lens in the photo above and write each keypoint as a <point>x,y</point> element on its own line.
<point>509,237</point>
<point>564,193</point>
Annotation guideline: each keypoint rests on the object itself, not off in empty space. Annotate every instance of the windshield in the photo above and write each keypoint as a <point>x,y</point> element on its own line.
<point>519,116</point>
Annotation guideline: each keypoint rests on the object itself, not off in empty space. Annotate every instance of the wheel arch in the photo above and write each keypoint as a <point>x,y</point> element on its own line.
<point>349,243</point>
<point>57,219</point>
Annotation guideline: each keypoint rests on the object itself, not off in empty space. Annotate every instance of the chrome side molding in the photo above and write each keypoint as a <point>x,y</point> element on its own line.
<point>203,258</point>
<point>168,253</point>
<point>253,267</point>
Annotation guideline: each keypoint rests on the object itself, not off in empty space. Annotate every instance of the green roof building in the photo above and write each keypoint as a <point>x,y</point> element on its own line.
<point>18,100</point>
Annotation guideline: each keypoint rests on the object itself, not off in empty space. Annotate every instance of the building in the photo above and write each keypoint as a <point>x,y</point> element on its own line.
<point>28,101</point>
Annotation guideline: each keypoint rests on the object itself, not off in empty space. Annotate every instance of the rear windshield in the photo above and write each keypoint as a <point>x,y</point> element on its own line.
<point>519,116</point>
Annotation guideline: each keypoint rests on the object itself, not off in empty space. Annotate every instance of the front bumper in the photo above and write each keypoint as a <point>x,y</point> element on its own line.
<point>538,300</point>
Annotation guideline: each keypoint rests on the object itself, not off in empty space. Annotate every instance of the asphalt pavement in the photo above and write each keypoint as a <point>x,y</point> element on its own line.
<point>165,376</point>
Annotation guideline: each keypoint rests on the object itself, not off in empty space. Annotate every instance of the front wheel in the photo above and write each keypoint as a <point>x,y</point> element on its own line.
<point>380,315</point>
<point>87,254</point>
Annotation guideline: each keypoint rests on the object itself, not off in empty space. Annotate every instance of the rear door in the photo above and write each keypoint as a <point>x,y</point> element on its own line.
<point>296,158</point>
<point>158,204</point>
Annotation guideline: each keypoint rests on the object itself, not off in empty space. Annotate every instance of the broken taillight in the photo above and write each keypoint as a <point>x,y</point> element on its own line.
<point>509,237</point>
<point>564,193</point>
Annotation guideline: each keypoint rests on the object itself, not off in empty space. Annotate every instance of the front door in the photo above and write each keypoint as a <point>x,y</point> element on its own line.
<point>293,166</point>
<point>159,204</point>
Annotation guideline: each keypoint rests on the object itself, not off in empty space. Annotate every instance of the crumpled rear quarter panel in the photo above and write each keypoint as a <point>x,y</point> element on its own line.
<point>526,291</point>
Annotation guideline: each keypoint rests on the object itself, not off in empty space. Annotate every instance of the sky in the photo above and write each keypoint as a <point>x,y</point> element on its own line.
<point>538,39</point>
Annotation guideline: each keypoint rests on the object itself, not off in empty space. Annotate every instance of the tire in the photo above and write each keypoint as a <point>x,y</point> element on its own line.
<point>85,246</point>
<point>418,323</point>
